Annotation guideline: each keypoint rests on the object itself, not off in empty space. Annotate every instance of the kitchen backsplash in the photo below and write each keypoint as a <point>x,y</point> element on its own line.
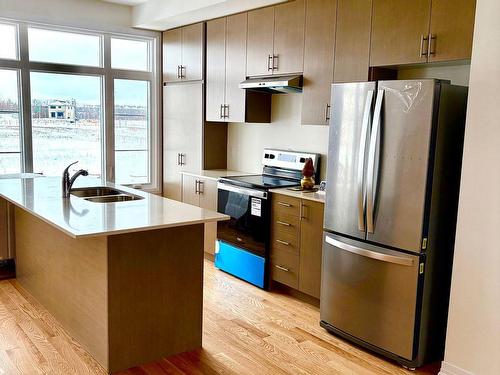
<point>246,141</point>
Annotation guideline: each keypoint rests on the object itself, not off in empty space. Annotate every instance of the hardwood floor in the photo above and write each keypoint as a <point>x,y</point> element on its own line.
<point>246,331</point>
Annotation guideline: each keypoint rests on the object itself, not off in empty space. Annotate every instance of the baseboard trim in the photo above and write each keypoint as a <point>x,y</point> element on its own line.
<point>449,369</point>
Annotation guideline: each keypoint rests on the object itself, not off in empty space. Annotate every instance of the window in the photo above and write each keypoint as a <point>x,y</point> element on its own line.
<point>8,46</point>
<point>64,48</point>
<point>66,122</point>
<point>129,54</point>
<point>55,86</point>
<point>10,147</point>
<point>131,131</point>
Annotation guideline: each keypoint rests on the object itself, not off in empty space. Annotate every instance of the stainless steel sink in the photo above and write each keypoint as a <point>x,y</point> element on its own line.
<point>114,198</point>
<point>104,194</point>
<point>98,191</point>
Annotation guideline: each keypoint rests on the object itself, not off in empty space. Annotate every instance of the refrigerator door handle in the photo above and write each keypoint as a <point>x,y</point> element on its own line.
<point>361,161</point>
<point>404,261</point>
<point>371,189</point>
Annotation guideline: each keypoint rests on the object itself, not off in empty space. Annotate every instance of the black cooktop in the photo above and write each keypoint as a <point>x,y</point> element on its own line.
<point>260,181</point>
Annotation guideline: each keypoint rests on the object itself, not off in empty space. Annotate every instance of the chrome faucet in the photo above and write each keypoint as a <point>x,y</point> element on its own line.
<point>67,182</point>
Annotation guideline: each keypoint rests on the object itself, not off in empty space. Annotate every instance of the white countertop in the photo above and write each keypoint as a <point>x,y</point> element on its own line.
<point>80,218</point>
<point>215,174</point>
<point>312,196</point>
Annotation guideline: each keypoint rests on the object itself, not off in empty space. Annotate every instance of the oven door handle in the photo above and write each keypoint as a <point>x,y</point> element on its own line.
<point>241,190</point>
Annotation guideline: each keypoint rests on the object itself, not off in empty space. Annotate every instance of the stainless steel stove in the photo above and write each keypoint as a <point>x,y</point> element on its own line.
<point>243,241</point>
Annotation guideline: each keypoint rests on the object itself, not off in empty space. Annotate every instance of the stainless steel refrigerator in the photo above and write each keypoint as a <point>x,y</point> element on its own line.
<point>394,161</point>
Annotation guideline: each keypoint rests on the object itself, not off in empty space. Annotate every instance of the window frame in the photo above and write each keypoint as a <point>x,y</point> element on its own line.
<point>108,74</point>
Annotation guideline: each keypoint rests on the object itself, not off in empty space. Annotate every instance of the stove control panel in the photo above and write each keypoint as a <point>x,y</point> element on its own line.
<point>288,159</point>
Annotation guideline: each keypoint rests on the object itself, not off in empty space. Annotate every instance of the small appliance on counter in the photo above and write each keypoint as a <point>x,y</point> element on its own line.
<point>243,242</point>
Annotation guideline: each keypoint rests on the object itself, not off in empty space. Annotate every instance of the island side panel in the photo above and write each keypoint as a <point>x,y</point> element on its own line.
<point>155,294</point>
<point>68,277</point>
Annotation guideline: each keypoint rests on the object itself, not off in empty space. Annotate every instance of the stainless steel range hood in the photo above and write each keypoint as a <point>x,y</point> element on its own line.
<point>274,84</point>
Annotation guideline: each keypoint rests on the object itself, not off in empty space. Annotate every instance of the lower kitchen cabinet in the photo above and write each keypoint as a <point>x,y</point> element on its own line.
<point>202,192</point>
<point>296,243</point>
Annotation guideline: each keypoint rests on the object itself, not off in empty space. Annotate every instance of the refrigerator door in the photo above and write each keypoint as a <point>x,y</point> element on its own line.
<point>347,157</point>
<point>370,293</point>
<point>398,154</point>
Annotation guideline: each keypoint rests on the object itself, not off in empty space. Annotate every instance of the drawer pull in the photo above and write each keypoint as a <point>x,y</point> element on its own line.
<point>282,268</point>
<point>283,242</point>
<point>283,223</point>
<point>284,204</point>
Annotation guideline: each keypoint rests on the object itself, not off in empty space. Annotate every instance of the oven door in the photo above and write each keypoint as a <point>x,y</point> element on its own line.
<point>248,227</point>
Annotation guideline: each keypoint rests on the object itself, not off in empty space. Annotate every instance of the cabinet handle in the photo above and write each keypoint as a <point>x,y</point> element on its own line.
<point>226,106</point>
<point>196,191</point>
<point>275,66</point>
<point>221,110</point>
<point>182,156</point>
<point>178,71</point>
<point>302,212</point>
<point>282,268</point>
<point>283,223</point>
<point>284,204</point>
<point>201,188</point>
<point>423,40</point>
<point>183,68</point>
<point>283,242</point>
<point>178,159</point>
<point>327,112</point>
<point>431,38</point>
<point>270,62</point>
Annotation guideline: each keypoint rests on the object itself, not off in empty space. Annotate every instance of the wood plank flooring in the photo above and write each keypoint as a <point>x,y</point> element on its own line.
<point>246,331</point>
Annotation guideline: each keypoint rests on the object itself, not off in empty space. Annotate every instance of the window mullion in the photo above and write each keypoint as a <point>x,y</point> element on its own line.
<point>108,105</point>
<point>25,96</point>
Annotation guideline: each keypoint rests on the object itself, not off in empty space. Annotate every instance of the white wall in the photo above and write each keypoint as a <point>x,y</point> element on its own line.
<point>87,14</point>
<point>246,141</point>
<point>457,74</point>
<point>473,339</point>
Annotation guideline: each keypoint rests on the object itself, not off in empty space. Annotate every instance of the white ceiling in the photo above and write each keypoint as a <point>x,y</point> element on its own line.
<point>167,14</point>
<point>126,2</point>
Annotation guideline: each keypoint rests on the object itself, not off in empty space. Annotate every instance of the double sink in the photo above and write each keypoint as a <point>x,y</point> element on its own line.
<point>104,194</point>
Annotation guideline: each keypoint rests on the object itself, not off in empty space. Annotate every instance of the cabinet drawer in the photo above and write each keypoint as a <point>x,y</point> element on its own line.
<point>285,268</point>
<point>285,223</point>
<point>284,205</point>
<point>285,242</point>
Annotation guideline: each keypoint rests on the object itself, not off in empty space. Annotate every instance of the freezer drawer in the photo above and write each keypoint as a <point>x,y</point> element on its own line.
<point>370,293</point>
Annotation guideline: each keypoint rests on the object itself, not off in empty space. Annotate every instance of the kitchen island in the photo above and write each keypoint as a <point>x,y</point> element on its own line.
<point>125,279</point>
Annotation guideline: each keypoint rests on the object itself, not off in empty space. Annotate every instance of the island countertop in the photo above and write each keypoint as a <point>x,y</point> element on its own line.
<point>78,217</point>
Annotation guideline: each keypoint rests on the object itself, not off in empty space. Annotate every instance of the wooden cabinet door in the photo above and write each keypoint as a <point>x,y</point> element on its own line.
<point>216,69</point>
<point>189,190</point>
<point>289,24</point>
<point>236,50</point>
<point>397,31</point>
<point>318,61</point>
<point>260,41</point>
<point>311,244</point>
<point>452,26</point>
<point>352,41</point>
<point>182,133</point>
<point>172,55</point>
<point>208,200</point>
<point>208,194</point>
<point>192,51</point>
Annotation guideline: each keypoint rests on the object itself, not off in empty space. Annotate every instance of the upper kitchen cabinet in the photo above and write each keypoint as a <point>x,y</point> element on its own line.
<point>276,39</point>
<point>318,61</point>
<point>398,32</point>
<point>452,27</point>
<point>352,40</point>
<point>408,32</point>
<point>183,53</point>
<point>226,63</point>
